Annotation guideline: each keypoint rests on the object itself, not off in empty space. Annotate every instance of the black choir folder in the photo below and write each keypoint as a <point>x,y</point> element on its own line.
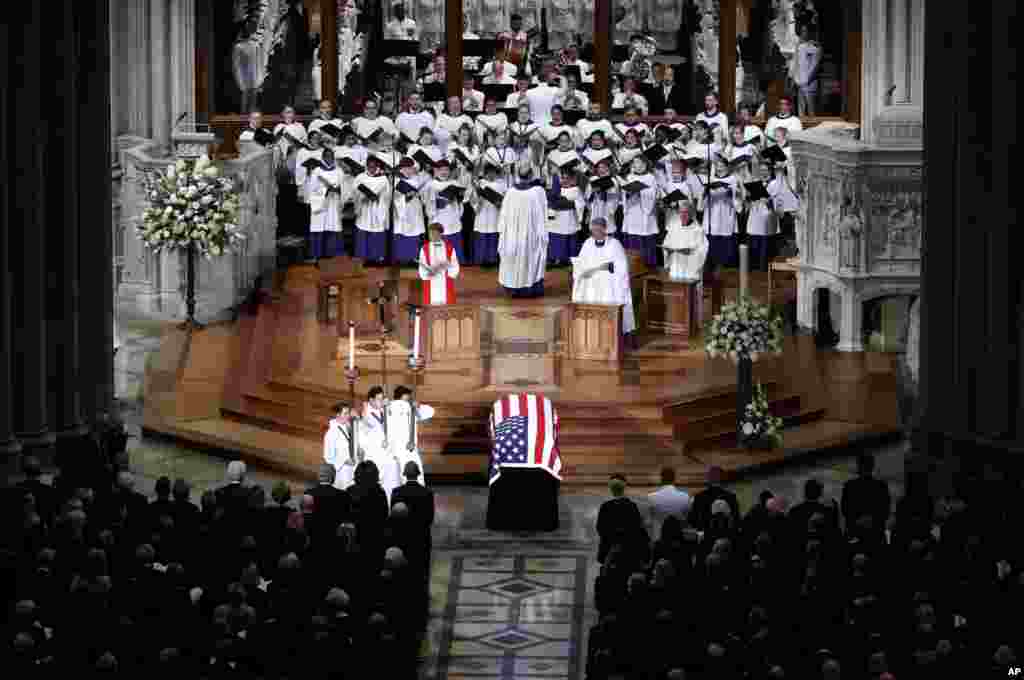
<point>490,195</point>
<point>453,193</point>
<point>756,190</point>
<point>332,130</point>
<point>405,188</point>
<point>603,183</point>
<point>569,165</point>
<point>312,163</point>
<point>263,137</point>
<point>366,191</point>
<point>676,196</point>
<point>462,158</point>
<point>562,203</point>
<point>655,153</point>
<point>352,166</point>
<point>634,187</point>
<point>774,154</point>
<point>735,162</point>
<point>424,159</point>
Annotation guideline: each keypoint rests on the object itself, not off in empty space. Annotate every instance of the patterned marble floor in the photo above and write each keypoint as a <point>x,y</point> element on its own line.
<point>502,605</point>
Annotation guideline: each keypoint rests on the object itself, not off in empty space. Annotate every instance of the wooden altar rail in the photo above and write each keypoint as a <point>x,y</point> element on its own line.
<point>451,332</point>
<point>594,332</point>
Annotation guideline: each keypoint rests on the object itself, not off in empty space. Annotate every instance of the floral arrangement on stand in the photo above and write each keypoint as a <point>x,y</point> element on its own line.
<point>194,210</point>
<point>744,329</point>
<point>758,427</point>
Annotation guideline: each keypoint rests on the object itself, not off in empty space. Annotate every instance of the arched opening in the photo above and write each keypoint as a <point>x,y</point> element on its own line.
<point>885,322</point>
<point>826,312</point>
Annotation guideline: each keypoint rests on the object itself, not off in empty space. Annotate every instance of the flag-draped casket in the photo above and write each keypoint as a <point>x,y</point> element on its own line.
<point>526,460</point>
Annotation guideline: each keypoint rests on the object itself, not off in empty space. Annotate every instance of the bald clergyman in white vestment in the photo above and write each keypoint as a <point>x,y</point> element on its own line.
<point>601,274</point>
<point>523,236</point>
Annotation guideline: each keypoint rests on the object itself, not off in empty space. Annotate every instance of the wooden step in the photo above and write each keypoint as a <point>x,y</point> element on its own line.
<point>712,423</point>
<point>728,440</point>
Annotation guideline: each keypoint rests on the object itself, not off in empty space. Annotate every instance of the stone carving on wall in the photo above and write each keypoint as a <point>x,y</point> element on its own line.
<point>851,231</point>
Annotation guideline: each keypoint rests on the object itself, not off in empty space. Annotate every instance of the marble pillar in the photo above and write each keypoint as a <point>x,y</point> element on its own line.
<point>159,75</point>
<point>9,445</point>
<point>892,86</point>
<point>181,62</point>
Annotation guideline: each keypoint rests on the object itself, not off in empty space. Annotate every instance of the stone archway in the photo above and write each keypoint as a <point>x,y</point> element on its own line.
<point>885,320</point>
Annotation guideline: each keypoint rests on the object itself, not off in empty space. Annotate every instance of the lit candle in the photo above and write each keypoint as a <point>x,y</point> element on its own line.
<point>744,253</point>
<point>351,345</point>
<point>416,336</point>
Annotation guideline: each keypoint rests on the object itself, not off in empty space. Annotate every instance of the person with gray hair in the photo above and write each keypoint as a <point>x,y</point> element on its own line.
<point>523,236</point>
<point>333,505</point>
<point>233,497</point>
<point>601,274</point>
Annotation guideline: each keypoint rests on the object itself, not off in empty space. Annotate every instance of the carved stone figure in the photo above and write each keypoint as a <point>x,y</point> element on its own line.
<point>851,229</point>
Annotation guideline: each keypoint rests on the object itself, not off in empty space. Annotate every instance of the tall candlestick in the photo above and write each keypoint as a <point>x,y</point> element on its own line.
<point>351,345</point>
<point>416,336</point>
<point>744,254</point>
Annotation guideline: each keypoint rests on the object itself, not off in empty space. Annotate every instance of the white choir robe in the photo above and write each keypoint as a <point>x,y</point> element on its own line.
<point>447,213</point>
<point>581,103</point>
<point>439,288</point>
<point>790,122</point>
<point>639,213</point>
<point>399,435</point>
<point>603,287</point>
<point>317,123</point>
<point>514,100</point>
<point>721,207</point>
<point>586,127</point>
<point>376,447</point>
<point>604,204</point>
<point>357,153</point>
<point>627,154</point>
<point>302,174</point>
<point>488,123</point>
<point>541,99</point>
<point>446,130</point>
<point>486,221</point>
<point>460,173</point>
<point>763,219</point>
<point>372,215</point>
<point>503,157</point>
<point>680,265</point>
<point>567,222</point>
<point>472,100</point>
<point>364,127</point>
<point>523,237</point>
<point>338,454</point>
<point>623,101</point>
<point>326,199</point>
<point>409,220</point>
<point>529,133</point>
<point>557,159</point>
<point>719,120</point>
<point>284,150</point>
<point>411,124</point>
<point>433,152</point>
<point>595,156</point>
<point>680,184</point>
<point>641,130</point>
<point>549,133</point>
<point>389,157</point>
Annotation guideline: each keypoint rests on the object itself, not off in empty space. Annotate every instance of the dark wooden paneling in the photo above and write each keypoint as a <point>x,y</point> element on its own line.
<point>727,57</point>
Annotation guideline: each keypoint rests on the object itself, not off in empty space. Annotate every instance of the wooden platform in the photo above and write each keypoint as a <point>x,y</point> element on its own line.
<point>262,388</point>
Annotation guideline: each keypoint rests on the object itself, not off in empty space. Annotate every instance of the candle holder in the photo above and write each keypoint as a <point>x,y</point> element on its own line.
<point>352,376</point>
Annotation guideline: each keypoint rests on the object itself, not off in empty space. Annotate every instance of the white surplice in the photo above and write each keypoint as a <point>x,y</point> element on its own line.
<point>763,220</point>
<point>399,435</point>
<point>338,453</point>
<point>439,209</point>
<point>486,221</point>
<point>679,238</point>
<point>376,447</point>
<point>409,219</point>
<point>328,193</point>
<point>721,206</point>
<point>372,214</point>
<point>640,216</point>
<point>604,203</point>
<point>523,237</point>
<point>593,284</point>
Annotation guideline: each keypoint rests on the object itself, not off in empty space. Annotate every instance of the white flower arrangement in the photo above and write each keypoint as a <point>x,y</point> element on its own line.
<point>744,330</point>
<point>758,424</point>
<point>190,204</point>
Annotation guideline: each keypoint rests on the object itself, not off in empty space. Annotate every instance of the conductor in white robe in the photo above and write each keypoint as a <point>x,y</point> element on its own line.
<point>523,236</point>
<point>403,431</point>
<point>601,274</point>
<point>339,449</point>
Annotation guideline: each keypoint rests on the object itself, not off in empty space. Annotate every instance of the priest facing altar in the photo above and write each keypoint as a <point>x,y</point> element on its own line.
<point>523,236</point>
<point>601,274</point>
<point>438,268</point>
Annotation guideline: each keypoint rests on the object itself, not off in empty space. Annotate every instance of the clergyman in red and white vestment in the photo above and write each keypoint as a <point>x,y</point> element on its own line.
<point>439,267</point>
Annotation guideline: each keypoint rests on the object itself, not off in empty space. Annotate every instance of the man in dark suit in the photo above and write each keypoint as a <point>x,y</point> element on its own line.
<point>333,505</point>
<point>420,502</point>
<point>865,495</point>
<point>700,511</point>
<point>666,94</point>
<point>802,512</point>
<point>234,497</point>
<point>45,496</point>
<point>618,519</point>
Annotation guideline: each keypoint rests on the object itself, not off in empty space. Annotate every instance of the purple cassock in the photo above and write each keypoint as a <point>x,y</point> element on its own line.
<point>561,247</point>
<point>485,249</point>
<point>325,244</point>
<point>456,242</point>
<point>406,249</point>
<point>721,251</point>
<point>371,245</point>
<point>647,246</point>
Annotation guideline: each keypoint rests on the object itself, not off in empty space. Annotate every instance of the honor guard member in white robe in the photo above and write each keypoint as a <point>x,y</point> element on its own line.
<point>404,434</point>
<point>523,236</point>
<point>722,203</point>
<point>604,196</point>
<point>490,123</point>
<point>374,439</point>
<point>438,268</point>
<point>640,213</point>
<point>600,274</point>
<point>372,201</point>
<point>594,121</point>
<point>448,123</point>
<point>784,118</point>
<point>326,199</point>
<point>444,209</point>
<point>410,215</point>
<point>487,205</point>
<point>339,448</point>
<point>685,245</point>
<point>409,123</point>
<point>371,121</point>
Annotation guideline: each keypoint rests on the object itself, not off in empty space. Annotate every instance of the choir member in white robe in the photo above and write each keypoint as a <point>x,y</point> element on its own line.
<point>485,226</point>
<point>751,133</point>
<point>325,116</point>
<point>325,201</point>
<point>604,203</point>
<point>629,98</point>
<point>594,121</point>
<point>543,97</point>
<point>640,213</point>
<point>472,98</point>
<point>371,121</point>
<point>782,141</point>
<point>631,122</point>
<point>447,213</point>
<point>303,179</point>
<point>438,268</point>
<point>464,156</point>
<point>763,224</point>
<point>713,117</point>
<point>410,218</point>
<point>410,122</point>
<point>255,123</point>
<point>490,123</point>
<point>629,151</point>
<point>502,155</point>
<point>372,212</point>
<point>404,432</point>
<point>352,149</point>
<point>572,59</point>
<point>601,274</point>
<point>519,96</point>
<point>722,204</point>
<point>339,448</point>
<point>784,118</point>
<point>523,135</point>
<point>425,143</point>
<point>523,236</point>
<point>565,155</point>
<point>373,438</point>
<point>595,151</point>
<point>573,98</point>
<point>685,245</point>
<point>448,123</point>
<point>566,205</point>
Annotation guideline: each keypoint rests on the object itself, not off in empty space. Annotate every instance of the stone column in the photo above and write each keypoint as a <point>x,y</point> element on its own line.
<point>28,261</point>
<point>182,58</point>
<point>159,76</point>
<point>9,445</point>
<point>893,35</point>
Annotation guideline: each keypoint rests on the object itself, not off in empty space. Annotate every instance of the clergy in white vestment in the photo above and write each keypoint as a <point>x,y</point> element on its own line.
<point>404,430</point>
<point>438,268</point>
<point>328,194</point>
<point>600,274</point>
<point>523,236</point>
<point>372,202</point>
<point>373,438</point>
<point>340,449</point>
<point>685,245</point>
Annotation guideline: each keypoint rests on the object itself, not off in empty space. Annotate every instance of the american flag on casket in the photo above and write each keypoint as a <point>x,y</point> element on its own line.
<point>524,432</point>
